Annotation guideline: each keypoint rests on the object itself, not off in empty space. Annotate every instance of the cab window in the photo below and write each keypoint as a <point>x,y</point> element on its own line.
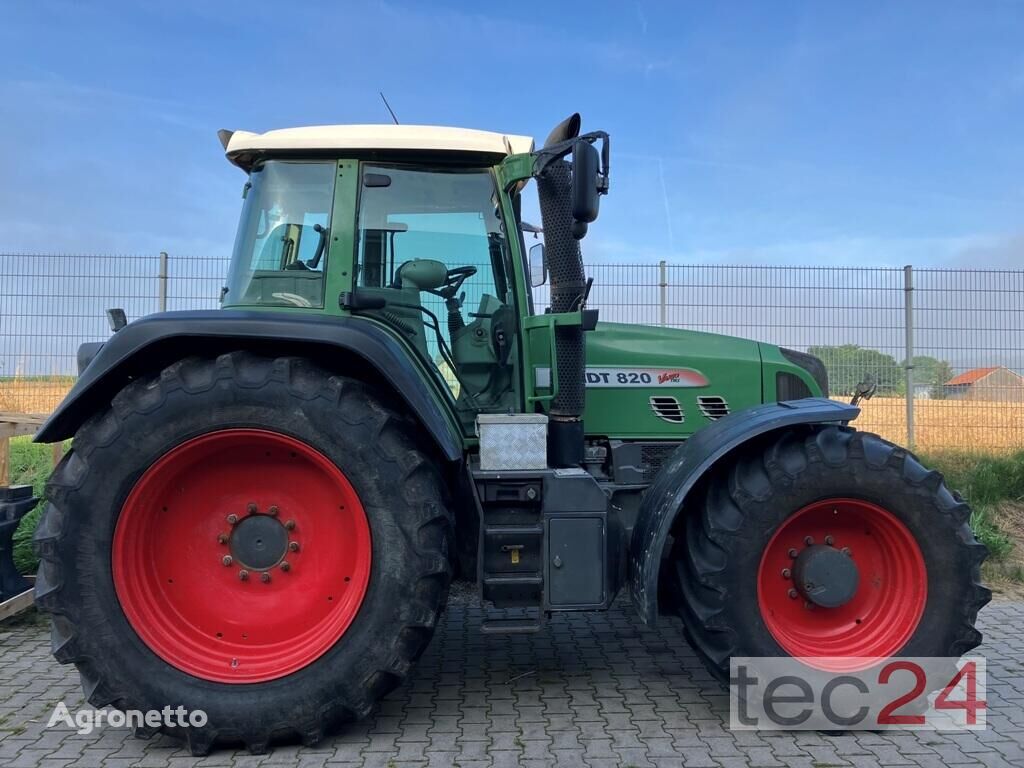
<point>280,251</point>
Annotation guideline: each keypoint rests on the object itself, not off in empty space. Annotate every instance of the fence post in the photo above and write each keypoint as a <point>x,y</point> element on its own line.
<point>908,363</point>
<point>162,279</point>
<point>663,293</point>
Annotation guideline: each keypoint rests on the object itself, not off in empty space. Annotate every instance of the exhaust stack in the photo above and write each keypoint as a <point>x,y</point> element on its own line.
<point>568,290</point>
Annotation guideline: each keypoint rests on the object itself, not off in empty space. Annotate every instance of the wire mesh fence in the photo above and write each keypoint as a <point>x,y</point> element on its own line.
<point>50,304</point>
<point>945,348</point>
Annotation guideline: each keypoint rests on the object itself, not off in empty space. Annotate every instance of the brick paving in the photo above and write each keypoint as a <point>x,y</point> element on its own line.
<point>590,690</point>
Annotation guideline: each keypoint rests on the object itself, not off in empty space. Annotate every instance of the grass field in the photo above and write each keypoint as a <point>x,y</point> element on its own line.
<point>33,394</point>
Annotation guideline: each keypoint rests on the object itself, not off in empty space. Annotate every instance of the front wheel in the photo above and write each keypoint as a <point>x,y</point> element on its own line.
<point>827,543</point>
<point>250,537</point>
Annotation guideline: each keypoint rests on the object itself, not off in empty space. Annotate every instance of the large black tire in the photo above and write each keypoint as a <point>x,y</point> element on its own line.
<point>397,482</point>
<point>712,570</point>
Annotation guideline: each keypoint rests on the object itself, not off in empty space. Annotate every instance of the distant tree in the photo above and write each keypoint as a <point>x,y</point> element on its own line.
<point>932,373</point>
<point>848,364</point>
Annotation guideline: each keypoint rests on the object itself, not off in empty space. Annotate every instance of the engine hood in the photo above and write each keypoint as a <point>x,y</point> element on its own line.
<point>660,383</point>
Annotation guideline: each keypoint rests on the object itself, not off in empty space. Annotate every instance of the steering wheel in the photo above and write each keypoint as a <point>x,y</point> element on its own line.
<point>453,281</point>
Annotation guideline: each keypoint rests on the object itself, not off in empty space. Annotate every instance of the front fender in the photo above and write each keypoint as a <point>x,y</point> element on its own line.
<point>667,496</point>
<point>152,342</point>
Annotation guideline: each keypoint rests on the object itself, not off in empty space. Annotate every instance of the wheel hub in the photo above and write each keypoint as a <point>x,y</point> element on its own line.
<point>825,576</point>
<point>258,542</point>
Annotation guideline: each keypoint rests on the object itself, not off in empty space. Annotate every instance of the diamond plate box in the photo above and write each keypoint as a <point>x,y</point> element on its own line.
<point>513,441</point>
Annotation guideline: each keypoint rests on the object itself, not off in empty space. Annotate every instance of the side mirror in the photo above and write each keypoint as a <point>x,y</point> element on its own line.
<point>538,265</point>
<point>586,167</point>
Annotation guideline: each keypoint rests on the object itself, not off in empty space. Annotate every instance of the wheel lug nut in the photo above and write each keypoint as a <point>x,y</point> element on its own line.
<point>251,508</point>
<point>829,540</point>
<point>232,519</point>
<point>793,553</point>
<point>786,573</point>
<point>222,538</point>
<point>808,540</point>
<point>290,525</point>
<point>792,594</point>
<point>293,546</point>
<point>243,575</point>
<point>285,565</point>
<point>808,605</point>
<point>273,510</point>
<point>265,577</point>
<point>226,560</point>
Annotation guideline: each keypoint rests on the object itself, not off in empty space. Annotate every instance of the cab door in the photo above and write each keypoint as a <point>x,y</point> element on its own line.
<point>446,223</point>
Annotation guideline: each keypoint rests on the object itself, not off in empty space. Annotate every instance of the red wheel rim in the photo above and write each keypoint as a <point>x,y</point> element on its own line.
<point>889,600</point>
<point>178,558</point>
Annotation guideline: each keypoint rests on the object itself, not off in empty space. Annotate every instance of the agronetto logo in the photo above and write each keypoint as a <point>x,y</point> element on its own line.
<point>85,721</point>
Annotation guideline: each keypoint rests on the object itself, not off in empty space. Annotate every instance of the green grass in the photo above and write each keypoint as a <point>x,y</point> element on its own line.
<point>982,479</point>
<point>993,486</point>
<point>30,465</point>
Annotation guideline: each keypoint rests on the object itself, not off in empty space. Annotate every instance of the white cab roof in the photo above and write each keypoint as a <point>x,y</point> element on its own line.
<point>374,137</point>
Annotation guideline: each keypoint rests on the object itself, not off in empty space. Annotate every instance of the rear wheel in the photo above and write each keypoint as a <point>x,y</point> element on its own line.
<point>827,542</point>
<point>246,536</point>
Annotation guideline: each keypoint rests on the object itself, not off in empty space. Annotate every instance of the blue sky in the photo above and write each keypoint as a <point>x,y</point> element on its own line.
<point>783,133</point>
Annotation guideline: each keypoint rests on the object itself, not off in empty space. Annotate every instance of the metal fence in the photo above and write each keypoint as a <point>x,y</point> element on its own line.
<point>944,347</point>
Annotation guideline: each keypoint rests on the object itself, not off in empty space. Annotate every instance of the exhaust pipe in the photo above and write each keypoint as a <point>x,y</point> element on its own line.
<point>565,130</point>
<point>568,287</point>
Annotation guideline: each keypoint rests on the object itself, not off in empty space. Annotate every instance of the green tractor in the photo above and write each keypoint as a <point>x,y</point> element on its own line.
<point>265,504</point>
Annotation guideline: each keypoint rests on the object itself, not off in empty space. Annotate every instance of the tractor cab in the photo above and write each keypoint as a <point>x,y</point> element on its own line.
<point>415,228</point>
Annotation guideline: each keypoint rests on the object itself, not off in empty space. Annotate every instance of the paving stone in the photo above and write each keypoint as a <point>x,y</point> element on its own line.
<point>593,690</point>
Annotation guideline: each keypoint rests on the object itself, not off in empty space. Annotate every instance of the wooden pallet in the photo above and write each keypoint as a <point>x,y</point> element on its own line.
<point>18,603</point>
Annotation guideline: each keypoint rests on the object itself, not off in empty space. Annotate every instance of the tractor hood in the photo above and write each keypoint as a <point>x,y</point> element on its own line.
<point>647,382</point>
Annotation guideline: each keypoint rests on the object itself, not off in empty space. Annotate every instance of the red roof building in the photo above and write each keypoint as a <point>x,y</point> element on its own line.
<point>997,383</point>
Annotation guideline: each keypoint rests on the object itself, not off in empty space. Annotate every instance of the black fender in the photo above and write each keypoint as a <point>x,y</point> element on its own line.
<point>666,497</point>
<point>151,342</point>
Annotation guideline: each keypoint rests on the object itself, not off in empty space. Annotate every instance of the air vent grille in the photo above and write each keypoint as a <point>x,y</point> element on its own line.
<point>713,406</point>
<point>789,386</point>
<point>653,456</point>
<point>667,409</point>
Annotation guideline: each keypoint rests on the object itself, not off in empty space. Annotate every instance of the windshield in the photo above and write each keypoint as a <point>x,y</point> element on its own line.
<point>280,249</point>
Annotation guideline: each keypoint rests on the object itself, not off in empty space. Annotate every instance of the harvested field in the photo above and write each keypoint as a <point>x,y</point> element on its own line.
<point>985,427</point>
<point>33,394</point>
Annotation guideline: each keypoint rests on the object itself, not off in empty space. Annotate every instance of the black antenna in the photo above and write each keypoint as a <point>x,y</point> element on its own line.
<point>382,97</point>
